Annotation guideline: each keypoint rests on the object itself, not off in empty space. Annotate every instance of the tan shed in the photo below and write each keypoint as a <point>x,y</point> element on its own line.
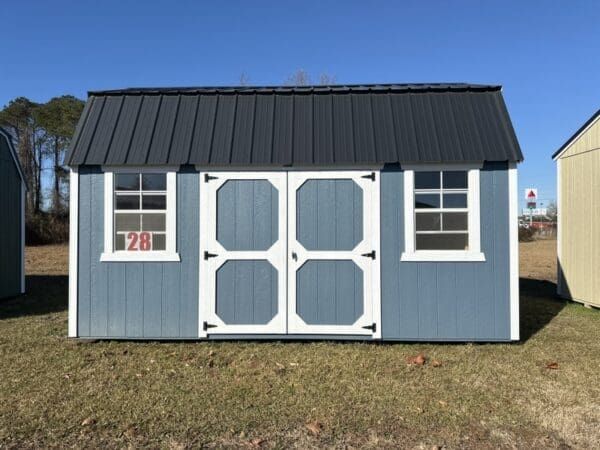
<point>578,178</point>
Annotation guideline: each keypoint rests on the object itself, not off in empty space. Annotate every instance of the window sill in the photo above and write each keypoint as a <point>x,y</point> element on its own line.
<point>443,256</point>
<point>140,257</point>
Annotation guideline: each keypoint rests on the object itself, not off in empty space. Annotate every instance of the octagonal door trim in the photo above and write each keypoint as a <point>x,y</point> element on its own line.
<point>363,252</point>
<point>214,255</point>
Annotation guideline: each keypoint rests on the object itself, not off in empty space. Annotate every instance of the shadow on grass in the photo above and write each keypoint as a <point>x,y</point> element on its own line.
<point>539,305</point>
<point>45,294</point>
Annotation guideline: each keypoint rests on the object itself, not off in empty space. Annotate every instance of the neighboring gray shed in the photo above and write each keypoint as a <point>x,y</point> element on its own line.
<point>338,212</point>
<point>12,220</point>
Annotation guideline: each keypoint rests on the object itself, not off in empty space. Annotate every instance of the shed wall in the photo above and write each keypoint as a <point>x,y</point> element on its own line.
<point>447,300</point>
<point>135,299</point>
<point>420,301</point>
<point>579,219</point>
<point>11,252</point>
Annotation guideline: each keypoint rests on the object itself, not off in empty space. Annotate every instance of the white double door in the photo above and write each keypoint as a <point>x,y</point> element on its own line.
<point>289,253</point>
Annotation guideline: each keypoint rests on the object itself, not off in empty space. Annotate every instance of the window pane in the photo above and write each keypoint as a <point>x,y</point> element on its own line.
<point>427,180</point>
<point>455,200</point>
<point>455,222</point>
<point>127,202</point>
<point>154,202</point>
<point>154,181</point>
<point>153,222</point>
<point>119,242</point>
<point>427,201</point>
<point>428,222</point>
<point>127,222</point>
<point>442,242</point>
<point>159,242</point>
<point>455,180</point>
<point>127,182</point>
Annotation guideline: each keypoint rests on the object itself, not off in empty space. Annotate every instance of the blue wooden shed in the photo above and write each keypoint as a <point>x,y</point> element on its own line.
<point>12,219</point>
<point>367,212</point>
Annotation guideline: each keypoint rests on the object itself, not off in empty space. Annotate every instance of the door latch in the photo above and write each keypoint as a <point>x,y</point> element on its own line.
<point>371,254</point>
<point>208,177</point>
<point>209,255</point>
<point>294,256</point>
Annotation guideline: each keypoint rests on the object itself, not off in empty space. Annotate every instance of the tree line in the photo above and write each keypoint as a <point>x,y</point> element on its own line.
<point>43,133</point>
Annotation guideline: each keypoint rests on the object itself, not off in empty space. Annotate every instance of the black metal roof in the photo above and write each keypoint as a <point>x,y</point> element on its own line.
<point>576,134</point>
<point>283,125</point>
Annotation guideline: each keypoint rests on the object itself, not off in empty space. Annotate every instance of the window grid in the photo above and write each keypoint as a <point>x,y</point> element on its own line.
<point>442,209</point>
<point>140,193</point>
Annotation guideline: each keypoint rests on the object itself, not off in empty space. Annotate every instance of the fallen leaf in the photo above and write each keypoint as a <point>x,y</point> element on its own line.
<point>139,375</point>
<point>293,364</point>
<point>417,360</point>
<point>279,367</point>
<point>443,403</point>
<point>255,443</point>
<point>314,427</point>
<point>211,353</point>
<point>552,365</point>
<point>131,431</point>
<point>88,422</point>
<point>436,363</point>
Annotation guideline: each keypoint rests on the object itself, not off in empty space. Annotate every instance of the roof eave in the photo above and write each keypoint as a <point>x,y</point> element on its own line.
<point>557,154</point>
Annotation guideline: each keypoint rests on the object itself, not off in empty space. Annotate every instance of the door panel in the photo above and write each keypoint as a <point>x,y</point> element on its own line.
<point>243,252</point>
<point>333,229</point>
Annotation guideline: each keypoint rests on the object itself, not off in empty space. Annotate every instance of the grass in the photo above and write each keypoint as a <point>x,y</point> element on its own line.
<point>60,393</point>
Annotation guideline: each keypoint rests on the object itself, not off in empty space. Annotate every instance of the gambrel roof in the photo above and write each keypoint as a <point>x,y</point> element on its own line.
<point>302,126</point>
<point>6,136</point>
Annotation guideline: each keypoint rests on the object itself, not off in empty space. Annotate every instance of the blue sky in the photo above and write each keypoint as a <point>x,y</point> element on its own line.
<point>545,54</point>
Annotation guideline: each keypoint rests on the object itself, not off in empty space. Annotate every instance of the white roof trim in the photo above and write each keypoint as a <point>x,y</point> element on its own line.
<point>576,137</point>
<point>13,152</point>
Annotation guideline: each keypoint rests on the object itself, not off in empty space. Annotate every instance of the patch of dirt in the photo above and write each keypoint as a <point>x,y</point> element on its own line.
<point>47,260</point>
<point>537,260</point>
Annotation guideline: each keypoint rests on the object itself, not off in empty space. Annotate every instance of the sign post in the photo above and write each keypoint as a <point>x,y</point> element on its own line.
<point>531,196</point>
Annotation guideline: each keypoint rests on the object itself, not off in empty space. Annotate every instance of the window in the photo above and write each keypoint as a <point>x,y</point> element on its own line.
<point>442,213</point>
<point>140,216</point>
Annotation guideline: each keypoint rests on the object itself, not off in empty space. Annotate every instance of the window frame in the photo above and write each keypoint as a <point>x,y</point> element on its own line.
<point>473,211</point>
<point>170,252</point>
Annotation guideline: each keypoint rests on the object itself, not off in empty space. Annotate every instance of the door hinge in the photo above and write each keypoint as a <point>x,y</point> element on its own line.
<point>371,176</point>
<point>206,326</point>
<point>373,327</point>
<point>208,177</point>
<point>209,255</point>
<point>371,254</point>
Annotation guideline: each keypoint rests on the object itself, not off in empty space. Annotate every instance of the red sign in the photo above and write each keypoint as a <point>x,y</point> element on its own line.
<point>139,241</point>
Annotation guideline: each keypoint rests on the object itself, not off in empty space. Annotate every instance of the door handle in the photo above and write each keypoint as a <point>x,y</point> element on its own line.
<point>294,256</point>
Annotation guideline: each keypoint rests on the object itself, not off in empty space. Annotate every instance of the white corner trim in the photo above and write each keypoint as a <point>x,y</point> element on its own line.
<point>23,194</point>
<point>73,250</point>
<point>443,256</point>
<point>474,208</point>
<point>559,272</point>
<point>109,254</point>
<point>513,223</point>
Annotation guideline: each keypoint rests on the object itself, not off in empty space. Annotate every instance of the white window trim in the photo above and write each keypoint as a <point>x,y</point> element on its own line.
<point>473,202</point>
<point>170,254</point>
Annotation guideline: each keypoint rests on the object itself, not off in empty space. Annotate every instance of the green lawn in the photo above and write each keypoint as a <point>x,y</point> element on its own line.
<point>56,392</point>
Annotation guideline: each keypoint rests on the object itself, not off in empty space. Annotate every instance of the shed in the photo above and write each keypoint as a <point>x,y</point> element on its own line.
<point>367,212</point>
<point>578,198</point>
<point>12,219</point>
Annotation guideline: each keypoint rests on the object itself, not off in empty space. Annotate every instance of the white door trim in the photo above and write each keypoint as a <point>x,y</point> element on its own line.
<point>276,254</point>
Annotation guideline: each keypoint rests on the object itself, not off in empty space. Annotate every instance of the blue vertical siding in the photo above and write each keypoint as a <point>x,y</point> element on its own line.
<point>137,300</point>
<point>446,300</point>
